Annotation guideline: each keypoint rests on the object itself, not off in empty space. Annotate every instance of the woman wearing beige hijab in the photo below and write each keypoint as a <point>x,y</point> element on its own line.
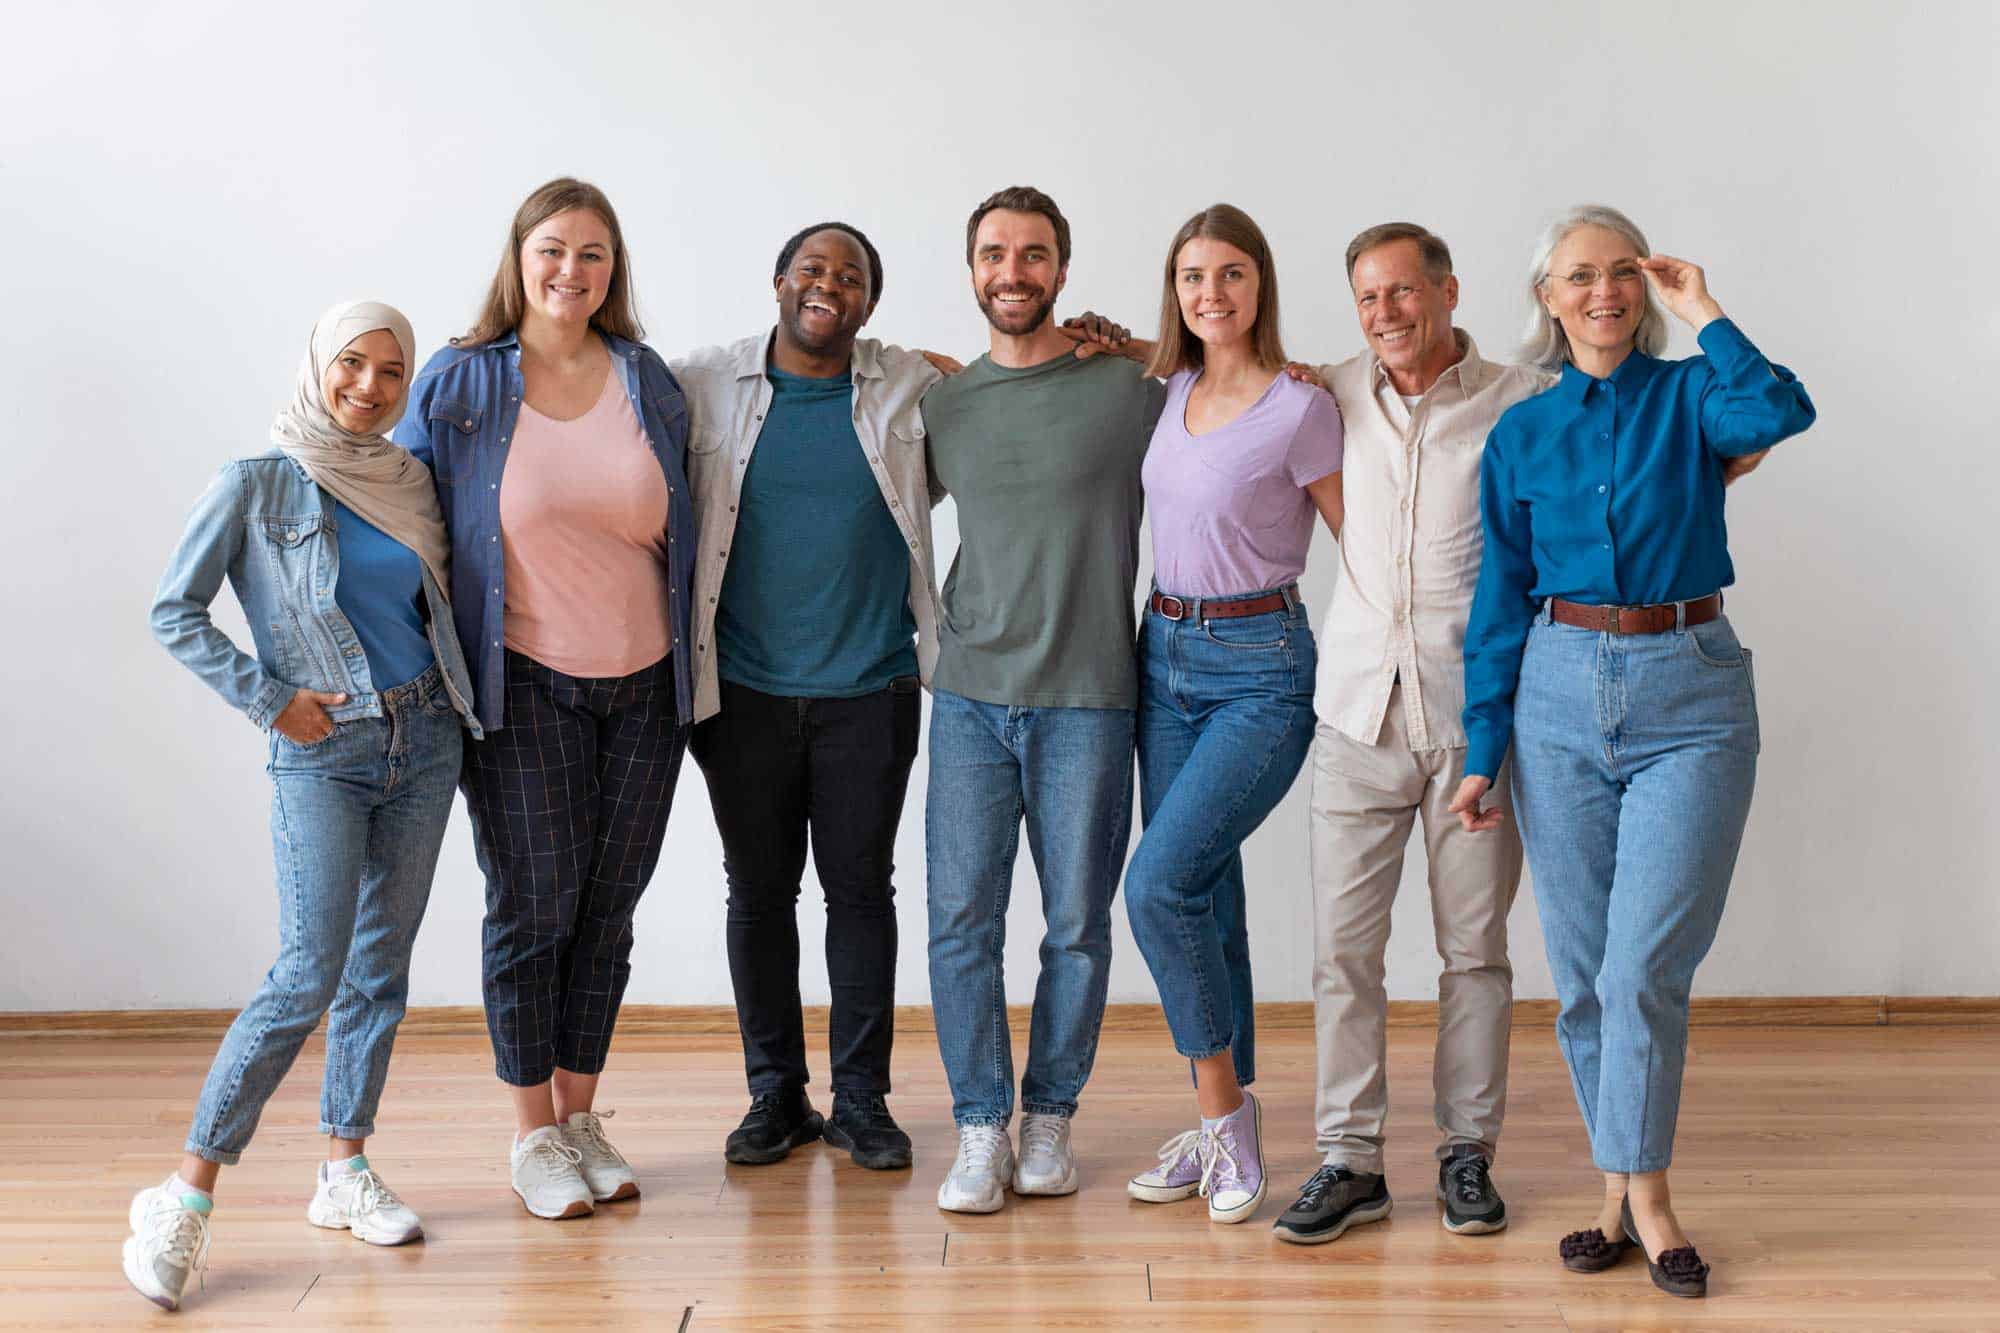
<point>334,547</point>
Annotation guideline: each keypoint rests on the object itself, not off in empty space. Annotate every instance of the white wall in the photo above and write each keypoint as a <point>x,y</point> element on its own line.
<point>187,185</point>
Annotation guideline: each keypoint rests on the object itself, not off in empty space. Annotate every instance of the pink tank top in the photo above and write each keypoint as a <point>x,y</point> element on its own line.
<point>583,523</point>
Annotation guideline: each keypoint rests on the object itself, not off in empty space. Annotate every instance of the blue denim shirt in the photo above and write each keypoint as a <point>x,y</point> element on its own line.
<point>461,415</point>
<point>265,526</point>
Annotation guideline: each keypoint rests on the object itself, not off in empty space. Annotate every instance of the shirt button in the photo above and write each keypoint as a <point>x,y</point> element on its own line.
<point>496,539</point>
<point>468,423</point>
<point>1604,435</point>
<point>1404,505</point>
<point>1607,546</point>
<point>1600,490</point>
<point>494,487</point>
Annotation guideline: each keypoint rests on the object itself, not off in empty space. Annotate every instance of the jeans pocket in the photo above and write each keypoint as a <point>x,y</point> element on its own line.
<point>1715,644</point>
<point>1260,633</point>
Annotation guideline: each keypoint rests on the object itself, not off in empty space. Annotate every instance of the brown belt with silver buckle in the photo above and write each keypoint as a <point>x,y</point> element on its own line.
<point>1210,608</point>
<point>1635,619</point>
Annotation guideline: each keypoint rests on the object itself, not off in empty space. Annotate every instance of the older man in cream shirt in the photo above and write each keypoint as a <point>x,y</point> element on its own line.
<point>1389,751</point>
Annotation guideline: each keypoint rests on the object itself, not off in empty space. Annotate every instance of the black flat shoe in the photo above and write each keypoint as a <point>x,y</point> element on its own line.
<point>1677,1272</point>
<point>1589,1252</point>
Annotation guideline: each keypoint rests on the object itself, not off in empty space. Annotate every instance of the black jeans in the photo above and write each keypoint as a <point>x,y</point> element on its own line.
<point>777,769</point>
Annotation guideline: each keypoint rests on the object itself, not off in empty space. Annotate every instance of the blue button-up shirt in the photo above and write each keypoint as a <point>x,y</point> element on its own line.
<point>1609,492</point>
<point>462,413</point>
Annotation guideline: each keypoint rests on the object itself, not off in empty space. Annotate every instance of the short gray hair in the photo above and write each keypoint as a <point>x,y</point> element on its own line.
<point>1544,343</point>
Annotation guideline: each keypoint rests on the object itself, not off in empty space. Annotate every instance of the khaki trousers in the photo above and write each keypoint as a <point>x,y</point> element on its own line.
<point>1365,798</point>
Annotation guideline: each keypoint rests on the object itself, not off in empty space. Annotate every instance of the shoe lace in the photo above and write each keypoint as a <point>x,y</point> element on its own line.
<point>553,1155</point>
<point>868,1108</point>
<point>1178,1147</point>
<point>591,1131</point>
<point>1043,1133</point>
<point>978,1145</point>
<point>182,1234</point>
<point>1321,1185</point>
<point>372,1192</point>
<point>1469,1177</point>
<point>1219,1167</point>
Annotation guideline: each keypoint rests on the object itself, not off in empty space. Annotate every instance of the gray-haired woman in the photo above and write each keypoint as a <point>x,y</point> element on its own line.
<point>1597,647</point>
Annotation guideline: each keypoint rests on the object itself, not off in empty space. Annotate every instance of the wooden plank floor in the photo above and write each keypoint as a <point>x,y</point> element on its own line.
<point>1837,1178</point>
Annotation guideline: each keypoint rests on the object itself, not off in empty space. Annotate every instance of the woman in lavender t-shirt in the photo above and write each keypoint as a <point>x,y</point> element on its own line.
<point>1241,460</point>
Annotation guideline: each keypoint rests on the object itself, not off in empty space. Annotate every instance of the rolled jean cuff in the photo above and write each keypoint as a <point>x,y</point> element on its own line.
<point>346,1131</point>
<point>983,1121</point>
<point>1046,1108</point>
<point>1208,1054</point>
<point>1642,1167</point>
<point>220,1156</point>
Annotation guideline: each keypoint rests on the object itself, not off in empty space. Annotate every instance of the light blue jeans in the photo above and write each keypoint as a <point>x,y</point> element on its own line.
<point>1068,773</point>
<point>1225,721</point>
<point>356,823</point>
<point>1634,760</point>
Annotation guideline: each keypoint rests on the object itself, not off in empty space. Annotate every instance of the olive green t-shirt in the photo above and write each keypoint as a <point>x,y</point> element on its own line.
<point>1043,464</point>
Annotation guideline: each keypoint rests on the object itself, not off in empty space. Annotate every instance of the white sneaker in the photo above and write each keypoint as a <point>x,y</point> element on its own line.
<point>1047,1166</point>
<point>358,1201</point>
<point>978,1179</point>
<point>169,1242</point>
<point>1176,1176</point>
<point>544,1174</point>
<point>602,1167</point>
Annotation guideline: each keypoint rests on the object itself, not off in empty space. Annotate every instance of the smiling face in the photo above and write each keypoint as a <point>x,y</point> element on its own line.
<point>566,266</point>
<point>826,293</point>
<point>1219,287</point>
<point>363,384</point>
<point>1405,313</point>
<point>1596,290</point>
<point>1016,272</point>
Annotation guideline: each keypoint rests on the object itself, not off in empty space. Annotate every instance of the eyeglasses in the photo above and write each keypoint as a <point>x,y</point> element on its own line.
<point>1585,275</point>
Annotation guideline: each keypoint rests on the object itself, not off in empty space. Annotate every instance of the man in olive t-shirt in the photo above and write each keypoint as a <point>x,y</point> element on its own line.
<point>1039,443</point>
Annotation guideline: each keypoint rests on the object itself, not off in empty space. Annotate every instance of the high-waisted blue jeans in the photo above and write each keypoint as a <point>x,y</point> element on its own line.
<point>356,823</point>
<point>1225,721</point>
<point>1634,760</point>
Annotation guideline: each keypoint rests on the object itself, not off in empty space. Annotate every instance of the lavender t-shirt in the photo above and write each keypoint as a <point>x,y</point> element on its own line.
<point>1228,509</point>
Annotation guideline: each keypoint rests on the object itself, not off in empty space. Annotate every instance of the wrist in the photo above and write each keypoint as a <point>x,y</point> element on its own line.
<point>1705,313</point>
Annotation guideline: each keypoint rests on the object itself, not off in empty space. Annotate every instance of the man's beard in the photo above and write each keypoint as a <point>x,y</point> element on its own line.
<point>1041,313</point>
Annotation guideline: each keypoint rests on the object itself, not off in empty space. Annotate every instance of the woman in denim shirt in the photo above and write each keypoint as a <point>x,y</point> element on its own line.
<point>335,548</point>
<point>559,442</point>
<point>1597,645</point>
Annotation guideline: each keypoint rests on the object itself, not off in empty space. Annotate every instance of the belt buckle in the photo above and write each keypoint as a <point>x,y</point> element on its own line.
<point>1180,607</point>
<point>1611,620</point>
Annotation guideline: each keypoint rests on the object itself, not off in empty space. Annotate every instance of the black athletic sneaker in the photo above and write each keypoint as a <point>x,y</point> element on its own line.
<point>861,1123</point>
<point>1472,1206</point>
<point>1333,1200</point>
<point>776,1123</point>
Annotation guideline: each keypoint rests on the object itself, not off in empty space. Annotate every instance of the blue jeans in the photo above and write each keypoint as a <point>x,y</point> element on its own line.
<point>1225,721</point>
<point>1068,772</point>
<point>356,823</point>
<point>1634,760</point>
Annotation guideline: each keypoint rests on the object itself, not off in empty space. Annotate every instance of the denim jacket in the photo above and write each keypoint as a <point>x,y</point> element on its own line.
<point>265,526</point>
<point>461,415</point>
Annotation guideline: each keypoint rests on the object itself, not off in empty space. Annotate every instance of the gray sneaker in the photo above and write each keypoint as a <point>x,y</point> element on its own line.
<point>1334,1199</point>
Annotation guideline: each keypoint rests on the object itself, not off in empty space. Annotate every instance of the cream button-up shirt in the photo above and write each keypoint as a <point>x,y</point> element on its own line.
<point>728,395</point>
<point>1409,544</point>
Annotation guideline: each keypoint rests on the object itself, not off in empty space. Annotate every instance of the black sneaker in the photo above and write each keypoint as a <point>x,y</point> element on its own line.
<point>1472,1207</point>
<point>1334,1199</point>
<point>776,1123</point>
<point>861,1123</point>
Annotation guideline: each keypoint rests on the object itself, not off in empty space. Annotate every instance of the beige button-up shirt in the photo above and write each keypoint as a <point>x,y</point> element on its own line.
<point>1409,543</point>
<point>728,395</point>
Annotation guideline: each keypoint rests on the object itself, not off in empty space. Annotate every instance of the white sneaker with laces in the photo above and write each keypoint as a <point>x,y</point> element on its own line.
<point>1046,1165</point>
<point>169,1241</point>
<point>543,1171</point>
<point>978,1179</point>
<point>1176,1176</point>
<point>357,1200</point>
<point>602,1166</point>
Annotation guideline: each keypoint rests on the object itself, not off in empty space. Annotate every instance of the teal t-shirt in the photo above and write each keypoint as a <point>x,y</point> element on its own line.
<point>816,599</point>
<point>1043,463</point>
<point>380,590</point>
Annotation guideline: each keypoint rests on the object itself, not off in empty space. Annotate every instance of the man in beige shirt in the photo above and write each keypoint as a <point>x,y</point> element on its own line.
<point>1417,406</point>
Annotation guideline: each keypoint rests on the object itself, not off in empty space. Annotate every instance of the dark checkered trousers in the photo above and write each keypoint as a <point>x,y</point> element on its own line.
<point>569,807</point>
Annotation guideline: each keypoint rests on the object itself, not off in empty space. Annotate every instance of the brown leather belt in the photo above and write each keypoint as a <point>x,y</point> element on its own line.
<point>1635,619</point>
<point>1209,608</point>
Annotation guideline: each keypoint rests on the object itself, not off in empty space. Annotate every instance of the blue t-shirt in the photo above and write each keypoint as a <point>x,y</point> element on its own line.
<point>380,590</point>
<point>816,600</point>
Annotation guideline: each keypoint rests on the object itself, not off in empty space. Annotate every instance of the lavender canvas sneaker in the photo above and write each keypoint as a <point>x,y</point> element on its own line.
<point>1233,1167</point>
<point>1176,1176</point>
